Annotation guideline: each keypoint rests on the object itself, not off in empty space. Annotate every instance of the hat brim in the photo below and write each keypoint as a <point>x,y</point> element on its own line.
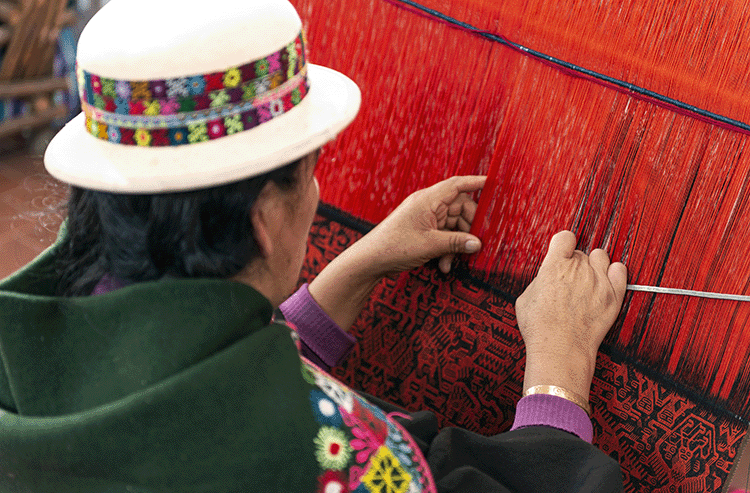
<point>76,157</point>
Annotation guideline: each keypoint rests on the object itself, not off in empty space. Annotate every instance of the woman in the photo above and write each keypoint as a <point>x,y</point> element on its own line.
<point>140,352</point>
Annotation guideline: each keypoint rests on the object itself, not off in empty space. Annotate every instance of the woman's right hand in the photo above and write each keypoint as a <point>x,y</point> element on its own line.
<point>566,311</point>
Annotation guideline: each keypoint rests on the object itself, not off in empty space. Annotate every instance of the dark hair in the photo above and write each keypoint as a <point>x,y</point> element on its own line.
<point>135,238</point>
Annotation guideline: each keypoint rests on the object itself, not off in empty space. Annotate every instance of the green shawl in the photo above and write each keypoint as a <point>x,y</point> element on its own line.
<point>169,386</point>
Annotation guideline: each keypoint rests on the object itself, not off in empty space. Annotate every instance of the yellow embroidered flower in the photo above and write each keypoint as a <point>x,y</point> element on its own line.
<point>218,98</point>
<point>142,137</point>
<point>197,132</point>
<point>103,132</point>
<point>152,108</point>
<point>291,51</point>
<point>386,474</point>
<point>232,77</point>
<point>276,80</point>
<point>140,90</point>
<point>233,124</point>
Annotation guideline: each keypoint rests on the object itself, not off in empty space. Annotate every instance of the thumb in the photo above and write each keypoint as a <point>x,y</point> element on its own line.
<point>452,242</point>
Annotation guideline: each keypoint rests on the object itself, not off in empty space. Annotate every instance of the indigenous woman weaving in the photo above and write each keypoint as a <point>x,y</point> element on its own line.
<point>144,351</point>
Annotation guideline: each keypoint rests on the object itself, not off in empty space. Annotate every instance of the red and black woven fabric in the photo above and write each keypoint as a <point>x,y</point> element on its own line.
<point>450,344</point>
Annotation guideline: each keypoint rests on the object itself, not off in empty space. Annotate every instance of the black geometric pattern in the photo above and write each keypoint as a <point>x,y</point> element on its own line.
<point>450,345</point>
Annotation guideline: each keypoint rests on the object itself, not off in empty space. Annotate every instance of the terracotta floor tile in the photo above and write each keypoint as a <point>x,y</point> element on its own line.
<point>16,254</point>
<point>31,210</point>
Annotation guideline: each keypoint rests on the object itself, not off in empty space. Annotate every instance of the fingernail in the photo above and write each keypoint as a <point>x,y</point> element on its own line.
<point>472,246</point>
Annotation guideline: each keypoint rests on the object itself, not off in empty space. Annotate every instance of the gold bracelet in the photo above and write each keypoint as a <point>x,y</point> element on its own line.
<point>560,392</point>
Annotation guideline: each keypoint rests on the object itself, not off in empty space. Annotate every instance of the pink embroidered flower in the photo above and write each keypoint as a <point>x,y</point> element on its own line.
<point>158,88</point>
<point>216,129</point>
<point>274,62</point>
<point>169,106</point>
<point>368,437</point>
<point>264,113</point>
<point>122,87</point>
<point>109,105</point>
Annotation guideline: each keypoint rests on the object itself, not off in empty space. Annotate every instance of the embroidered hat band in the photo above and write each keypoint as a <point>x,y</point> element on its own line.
<point>198,108</point>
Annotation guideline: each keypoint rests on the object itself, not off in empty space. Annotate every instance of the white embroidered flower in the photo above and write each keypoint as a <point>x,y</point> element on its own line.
<point>332,448</point>
<point>177,87</point>
<point>338,394</point>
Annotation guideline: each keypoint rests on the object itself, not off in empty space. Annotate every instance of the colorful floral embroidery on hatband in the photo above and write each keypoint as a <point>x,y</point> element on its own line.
<point>195,109</point>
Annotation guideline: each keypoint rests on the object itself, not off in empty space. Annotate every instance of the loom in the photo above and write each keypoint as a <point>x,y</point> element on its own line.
<point>623,120</point>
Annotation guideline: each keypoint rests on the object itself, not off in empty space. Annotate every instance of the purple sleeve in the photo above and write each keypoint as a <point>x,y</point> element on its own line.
<point>553,411</point>
<point>323,341</point>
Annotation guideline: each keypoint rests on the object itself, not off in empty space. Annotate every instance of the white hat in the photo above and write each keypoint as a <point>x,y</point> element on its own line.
<point>186,94</point>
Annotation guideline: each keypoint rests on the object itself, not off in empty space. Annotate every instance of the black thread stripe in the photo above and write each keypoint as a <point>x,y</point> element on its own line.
<point>573,69</point>
<point>461,272</point>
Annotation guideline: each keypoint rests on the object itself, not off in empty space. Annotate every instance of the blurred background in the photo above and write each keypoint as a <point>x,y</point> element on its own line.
<point>38,95</point>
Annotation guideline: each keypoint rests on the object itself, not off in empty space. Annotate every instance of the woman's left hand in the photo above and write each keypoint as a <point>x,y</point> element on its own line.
<point>430,223</point>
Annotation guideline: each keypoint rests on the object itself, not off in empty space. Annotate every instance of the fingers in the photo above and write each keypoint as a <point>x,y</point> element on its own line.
<point>618,277</point>
<point>461,212</point>
<point>464,184</point>
<point>445,263</point>
<point>599,261</point>
<point>616,272</point>
<point>448,190</point>
<point>562,245</point>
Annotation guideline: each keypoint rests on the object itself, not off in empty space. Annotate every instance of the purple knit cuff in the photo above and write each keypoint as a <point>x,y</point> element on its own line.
<point>108,284</point>
<point>554,411</point>
<point>316,330</point>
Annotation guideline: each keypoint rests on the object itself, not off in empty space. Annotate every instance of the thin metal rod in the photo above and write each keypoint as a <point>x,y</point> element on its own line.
<point>688,292</point>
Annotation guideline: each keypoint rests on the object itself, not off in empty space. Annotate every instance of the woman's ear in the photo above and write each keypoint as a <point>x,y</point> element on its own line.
<point>263,217</point>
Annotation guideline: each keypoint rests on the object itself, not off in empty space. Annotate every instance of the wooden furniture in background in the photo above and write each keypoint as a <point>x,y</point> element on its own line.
<point>29,31</point>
